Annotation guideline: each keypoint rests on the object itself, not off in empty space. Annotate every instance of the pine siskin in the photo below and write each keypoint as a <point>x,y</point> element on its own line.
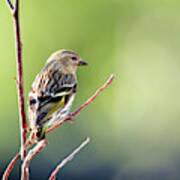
<point>53,91</point>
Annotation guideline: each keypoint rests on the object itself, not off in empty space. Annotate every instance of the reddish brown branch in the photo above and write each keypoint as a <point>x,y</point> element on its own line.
<point>10,166</point>
<point>76,112</point>
<point>23,121</point>
<point>22,114</point>
<point>109,81</point>
<point>29,157</point>
<point>67,159</point>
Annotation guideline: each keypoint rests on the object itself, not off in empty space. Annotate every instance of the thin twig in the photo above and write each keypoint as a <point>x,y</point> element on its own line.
<point>109,81</point>
<point>10,166</point>
<point>67,159</point>
<point>22,114</point>
<point>10,5</point>
<point>76,112</point>
<point>29,157</point>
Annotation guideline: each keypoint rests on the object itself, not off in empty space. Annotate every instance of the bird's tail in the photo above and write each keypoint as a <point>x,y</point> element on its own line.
<point>35,135</point>
<point>41,131</point>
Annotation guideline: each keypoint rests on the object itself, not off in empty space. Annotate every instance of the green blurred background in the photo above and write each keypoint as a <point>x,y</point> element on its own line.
<point>134,124</point>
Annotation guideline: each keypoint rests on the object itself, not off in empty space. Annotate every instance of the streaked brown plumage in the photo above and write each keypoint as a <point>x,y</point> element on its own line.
<point>53,91</point>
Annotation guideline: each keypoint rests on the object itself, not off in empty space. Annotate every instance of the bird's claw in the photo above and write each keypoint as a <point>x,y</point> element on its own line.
<point>70,118</point>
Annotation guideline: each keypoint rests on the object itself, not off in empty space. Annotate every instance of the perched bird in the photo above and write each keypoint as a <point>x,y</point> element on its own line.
<point>53,91</point>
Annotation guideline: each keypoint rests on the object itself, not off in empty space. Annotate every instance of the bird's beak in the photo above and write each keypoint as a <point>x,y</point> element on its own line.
<point>82,63</point>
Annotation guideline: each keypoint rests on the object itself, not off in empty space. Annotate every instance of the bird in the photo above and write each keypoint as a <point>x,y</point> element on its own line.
<point>53,91</point>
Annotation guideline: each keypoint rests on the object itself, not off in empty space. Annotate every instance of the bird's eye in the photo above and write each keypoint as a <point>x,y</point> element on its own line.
<point>74,58</point>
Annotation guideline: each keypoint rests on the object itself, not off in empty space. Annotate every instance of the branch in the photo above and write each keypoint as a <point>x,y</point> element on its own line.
<point>10,166</point>
<point>25,166</point>
<point>77,111</point>
<point>22,114</point>
<point>67,159</point>
<point>10,5</point>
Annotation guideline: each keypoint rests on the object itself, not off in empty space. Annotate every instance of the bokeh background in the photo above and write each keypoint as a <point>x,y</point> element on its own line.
<point>135,123</point>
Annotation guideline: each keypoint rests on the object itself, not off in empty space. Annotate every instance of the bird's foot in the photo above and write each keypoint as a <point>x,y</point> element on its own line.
<point>70,118</point>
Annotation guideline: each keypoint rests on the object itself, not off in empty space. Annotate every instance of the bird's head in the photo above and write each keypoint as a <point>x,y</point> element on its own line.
<point>68,59</point>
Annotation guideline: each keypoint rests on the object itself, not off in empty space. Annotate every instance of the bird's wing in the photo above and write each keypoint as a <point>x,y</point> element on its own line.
<point>53,89</point>
<point>60,89</point>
